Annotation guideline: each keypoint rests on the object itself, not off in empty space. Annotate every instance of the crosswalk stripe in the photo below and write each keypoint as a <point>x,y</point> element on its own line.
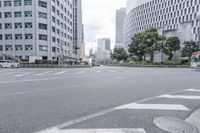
<point>153,107</point>
<point>24,74</point>
<point>81,72</point>
<point>117,130</point>
<point>180,97</point>
<point>59,73</point>
<point>40,74</point>
<point>194,90</point>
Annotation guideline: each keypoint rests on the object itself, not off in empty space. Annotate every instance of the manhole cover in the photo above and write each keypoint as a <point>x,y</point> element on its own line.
<point>174,125</point>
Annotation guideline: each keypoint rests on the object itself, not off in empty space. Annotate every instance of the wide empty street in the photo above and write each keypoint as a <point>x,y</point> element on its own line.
<point>106,99</point>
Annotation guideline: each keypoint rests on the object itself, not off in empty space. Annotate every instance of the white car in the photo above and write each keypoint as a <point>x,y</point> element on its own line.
<point>8,64</point>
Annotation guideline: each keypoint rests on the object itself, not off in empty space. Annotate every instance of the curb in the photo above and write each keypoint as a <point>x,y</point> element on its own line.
<point>194,119</point>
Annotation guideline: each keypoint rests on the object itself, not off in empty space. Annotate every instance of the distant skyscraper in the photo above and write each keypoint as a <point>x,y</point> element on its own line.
<point>104,44</point>
<point>103,50</point>
<point>77,26</point>
<point>120,17</point>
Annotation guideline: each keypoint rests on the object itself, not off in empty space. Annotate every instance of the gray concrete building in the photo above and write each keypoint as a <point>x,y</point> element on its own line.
<point>78,37</point>
<point>119,33</point>
<point>172,17</point>
<point>41,28</point>
<point>104,44</point>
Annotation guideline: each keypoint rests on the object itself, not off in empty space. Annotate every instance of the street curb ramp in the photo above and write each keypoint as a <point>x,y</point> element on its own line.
<point>194,119</point>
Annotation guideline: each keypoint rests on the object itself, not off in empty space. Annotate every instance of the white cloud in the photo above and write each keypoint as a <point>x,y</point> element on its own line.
<point>99,18</point>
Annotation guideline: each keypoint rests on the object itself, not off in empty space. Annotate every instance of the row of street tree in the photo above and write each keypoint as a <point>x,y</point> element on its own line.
<point>148,43</point>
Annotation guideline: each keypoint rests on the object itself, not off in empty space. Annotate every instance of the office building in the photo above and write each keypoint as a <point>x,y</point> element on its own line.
<point>77,26</point>
<point>42,28</point>
<point>119,35</point>
<point>171,17</point>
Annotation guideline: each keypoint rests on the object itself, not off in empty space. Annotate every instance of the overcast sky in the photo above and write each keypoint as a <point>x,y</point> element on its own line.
<point>99,18</point>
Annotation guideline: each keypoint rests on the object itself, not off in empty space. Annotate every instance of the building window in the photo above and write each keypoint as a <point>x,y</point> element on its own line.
<point>7,3</point>
<point>42,26</point>
<point>27,2</point>
<point>1,36</point>
<point>0,26</point>
<point>18,25</point>
<point>43,4</point>
<point>28,47</point>
<point>8,36</point>
<point>18,14</point>
<point>8,47</point>
<point>28,25</point>
<point>18,48</point>
<point>42,37</point>
<point>18,36</point>
<point>28,36</point>
<point>42,15</point>
<point>8,25</point>
<point>0,15</point>
<point>17,2</point>
<point>28,13</point>
<point>7,14</point>
<point>53,39</point>
<point>42,48</point>
<point>1,48</point>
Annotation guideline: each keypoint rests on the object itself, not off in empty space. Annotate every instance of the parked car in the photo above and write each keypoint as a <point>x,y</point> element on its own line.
<point>9,64</point>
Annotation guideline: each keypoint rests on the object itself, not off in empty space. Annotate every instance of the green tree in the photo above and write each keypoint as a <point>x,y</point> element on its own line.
<point>137,47</point>
<point>189,48</point>
<point>119,54</point>
<point>152,41</point>
<point>171,45</point>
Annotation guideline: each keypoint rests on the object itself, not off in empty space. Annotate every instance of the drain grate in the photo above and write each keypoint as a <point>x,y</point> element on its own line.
<point>174,125</point>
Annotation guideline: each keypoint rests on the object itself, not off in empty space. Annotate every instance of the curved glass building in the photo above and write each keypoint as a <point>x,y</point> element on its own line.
<point>171,17</point>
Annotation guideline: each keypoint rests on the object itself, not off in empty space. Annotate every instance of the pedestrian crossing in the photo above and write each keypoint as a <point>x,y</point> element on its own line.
<point>137,109</point>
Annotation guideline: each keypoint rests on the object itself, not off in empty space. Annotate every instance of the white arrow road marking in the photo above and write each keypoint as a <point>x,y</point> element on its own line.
<point>194,90</point>
<point>40,74</point>
<point>24,74</point>
<point>118,130</point>
<point>59,73</point>
<point>180,97</point>
<point>154,107</point>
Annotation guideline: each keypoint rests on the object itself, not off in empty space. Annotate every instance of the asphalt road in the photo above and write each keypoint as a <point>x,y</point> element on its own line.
<point>32,100</point>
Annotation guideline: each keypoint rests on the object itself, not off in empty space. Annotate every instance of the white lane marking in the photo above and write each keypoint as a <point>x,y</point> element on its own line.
<point>7,73</point>
<point>117,130</point>
<point>59,73</point>
<point>98,71</point>
<point>31,80</point>
<point>36,91</point>
<point>24,74</point>
<point>120,77</point>
<point>153,107</point>
<point>194,90</point>
<point>81,72</point>
<point>43,73</point>
<point>180,97</point>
